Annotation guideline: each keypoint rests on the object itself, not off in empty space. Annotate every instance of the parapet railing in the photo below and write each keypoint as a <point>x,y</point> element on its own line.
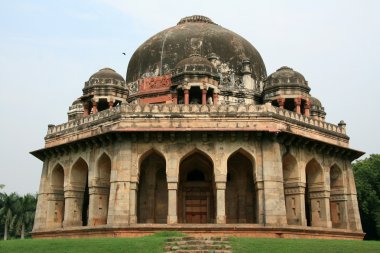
<point>194,110</point>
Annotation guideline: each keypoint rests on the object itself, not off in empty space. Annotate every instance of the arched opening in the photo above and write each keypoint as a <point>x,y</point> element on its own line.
<point>152,195</point>
<point>337,198</point>
<point>314,183</point>
<point>100,197</point>
<point>195,95</point>
<point>79,181</point>
<point>57,186</point>
<point>196,202</point>
<point>292,190</point>
<point>240,190</point>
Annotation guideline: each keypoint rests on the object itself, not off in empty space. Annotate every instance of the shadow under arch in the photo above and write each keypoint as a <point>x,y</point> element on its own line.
<point>241,196</point>
<point>152,193</point>
<point>196,190</point>
<point>57,208</point>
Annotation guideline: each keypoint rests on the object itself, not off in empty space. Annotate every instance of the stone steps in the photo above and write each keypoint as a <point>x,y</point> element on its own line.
<point>189,244</point>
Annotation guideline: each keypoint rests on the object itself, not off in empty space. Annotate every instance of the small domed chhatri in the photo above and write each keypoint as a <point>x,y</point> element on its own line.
<point>197,139</point>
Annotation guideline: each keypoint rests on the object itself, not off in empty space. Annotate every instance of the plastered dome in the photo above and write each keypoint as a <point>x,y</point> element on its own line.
<point>195,34</point>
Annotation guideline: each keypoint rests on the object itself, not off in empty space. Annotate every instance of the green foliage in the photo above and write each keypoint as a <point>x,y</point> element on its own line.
<point>248,245</point>
<point>367,178</point>
<point>16,214</point>
<point>2,186</point>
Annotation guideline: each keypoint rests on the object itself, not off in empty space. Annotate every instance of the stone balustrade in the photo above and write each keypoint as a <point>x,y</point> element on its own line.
<point>195,110</point>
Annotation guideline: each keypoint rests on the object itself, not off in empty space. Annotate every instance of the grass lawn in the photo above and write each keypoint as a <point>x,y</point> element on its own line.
<point>155,243</point>
<point>262,245</point>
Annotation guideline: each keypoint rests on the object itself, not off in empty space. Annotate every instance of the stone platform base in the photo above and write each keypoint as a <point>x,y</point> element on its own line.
<point>239,230</point>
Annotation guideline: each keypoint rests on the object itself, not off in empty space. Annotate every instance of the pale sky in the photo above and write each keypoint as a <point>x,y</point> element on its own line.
<point>48,49</point>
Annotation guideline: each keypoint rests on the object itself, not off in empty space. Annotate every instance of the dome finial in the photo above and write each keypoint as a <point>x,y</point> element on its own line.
<point>195,19</point>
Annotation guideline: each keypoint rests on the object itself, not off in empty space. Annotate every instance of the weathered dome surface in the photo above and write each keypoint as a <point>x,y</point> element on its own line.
<point>106,73</point>
<point>195,34</point>
<point>286,75</point>
<point>315,102</point>
<point>195,64</point>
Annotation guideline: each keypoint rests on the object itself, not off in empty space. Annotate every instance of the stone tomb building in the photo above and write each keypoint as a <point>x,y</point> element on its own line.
<point>199,139</point>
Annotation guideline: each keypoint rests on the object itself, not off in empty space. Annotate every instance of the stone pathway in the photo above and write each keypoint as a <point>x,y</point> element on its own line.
<point>190,244</point>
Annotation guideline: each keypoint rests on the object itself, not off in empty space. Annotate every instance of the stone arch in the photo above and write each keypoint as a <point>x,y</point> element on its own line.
<point>293,190</point>
<point>196,189</point>
<point>77,203</point>
<point>338,202</point>
<point>56,207</point>
<point>315,195</point>
<point>241,200</point>
<point>152,193</point>
<point>100,191</point>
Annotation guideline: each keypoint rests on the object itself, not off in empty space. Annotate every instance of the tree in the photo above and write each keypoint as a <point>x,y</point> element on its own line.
<point>2,186</point>
<point>7,210</point>
<point>367,178</point>
<point>25,207</point>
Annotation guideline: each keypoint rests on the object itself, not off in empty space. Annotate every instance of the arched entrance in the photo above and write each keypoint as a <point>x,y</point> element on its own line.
<point>338,203</point>
<point>196,202</point>
<point>152,195</point>
<point>240,190</point>
<point>57,201</point>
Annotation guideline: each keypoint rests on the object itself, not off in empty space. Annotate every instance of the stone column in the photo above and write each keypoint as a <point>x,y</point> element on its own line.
<point>175,98</point>
<point>297,102</point>
<point>42,200</point>
<point>221,202</point>
<point>94,107</point>
<point>172,203</point>
<point>204,98</point>
<point>281,102</point>
<point>215,98</point>
<point>274,200</point>
<point>133,202</point>
<point>110,104</point>
<point>352,201</point>
<point>338,209</point>
<point>307,108</point>
<point>295,203</point>
<point>85,109</point>
<point>98,206</point>
<point>186,96</point>
<point>73,207</point>
<point>55,210</point>
<point>320,207</point>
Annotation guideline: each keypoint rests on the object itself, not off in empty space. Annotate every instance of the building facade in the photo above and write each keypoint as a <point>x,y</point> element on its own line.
<point>199,139</point>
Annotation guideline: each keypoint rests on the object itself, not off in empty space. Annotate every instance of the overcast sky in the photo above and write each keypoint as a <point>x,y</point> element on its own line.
<point>48,49</point>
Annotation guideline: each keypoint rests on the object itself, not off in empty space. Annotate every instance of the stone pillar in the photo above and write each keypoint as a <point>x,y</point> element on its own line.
<point>42,200</point>
<point>175,98</point>
<point>320,207</point>
<point>307,108</point>
<point>352,201</point>
<point>110,104</point>
<point>98,206</point>
<point>338,210</point>
<point>186,95</point>
<point>94,107</point>
<point>133,202</point>
<point>274,200</point>
<point>73,207</point>
<point>221,202</point>
<point>281,102</point>
<point>204,98</point>
<point>172,203</point>
<point>295,203</point>
<point>297,102</point>
<point>215,98</point>
<point>55,210</point>
<point>86,110</point>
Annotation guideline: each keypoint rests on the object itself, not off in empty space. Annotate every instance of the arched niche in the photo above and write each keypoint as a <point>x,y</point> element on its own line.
<point>101,190</point>
<point>57,202</point>
<point>293,190</point>
<point>338,202</point>
<point>152,194</point>
<point>196,190</point>
<point>314,209</point>
<point>241,201</point>
<point>79,182</point>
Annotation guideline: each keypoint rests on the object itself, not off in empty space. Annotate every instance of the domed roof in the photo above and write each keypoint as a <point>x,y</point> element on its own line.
<point>286,75</point>
<point>315,102</point>
<point>107,73</point>
<point>195,64</point>
<point>195,34</point>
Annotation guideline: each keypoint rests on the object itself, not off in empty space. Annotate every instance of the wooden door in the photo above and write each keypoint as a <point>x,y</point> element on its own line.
<point>196,207</point>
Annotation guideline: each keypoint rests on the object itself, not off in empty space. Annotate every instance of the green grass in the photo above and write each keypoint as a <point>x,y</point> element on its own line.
<point>146,244</point>
<point>155,243</point>
<point>262,245</point>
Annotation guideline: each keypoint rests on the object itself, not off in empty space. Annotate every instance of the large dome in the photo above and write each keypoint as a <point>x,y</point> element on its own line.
<point>195,34</point>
